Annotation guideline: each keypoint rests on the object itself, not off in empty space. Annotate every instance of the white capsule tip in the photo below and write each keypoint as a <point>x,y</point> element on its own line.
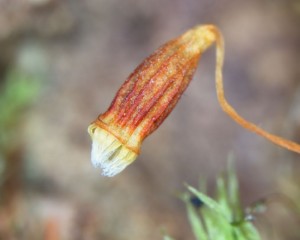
<point>108,153</point>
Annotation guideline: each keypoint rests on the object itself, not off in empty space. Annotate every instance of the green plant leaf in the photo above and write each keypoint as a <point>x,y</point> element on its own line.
<point>220,219</point>
<point>208,201</point>
<point>196,224</point>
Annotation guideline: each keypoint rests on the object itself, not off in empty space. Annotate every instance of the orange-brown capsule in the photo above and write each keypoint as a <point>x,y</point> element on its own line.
<point>149,95</point>
<point>145,99</point>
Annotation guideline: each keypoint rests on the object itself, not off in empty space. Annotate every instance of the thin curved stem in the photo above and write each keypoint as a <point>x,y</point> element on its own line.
<point>290,145</point>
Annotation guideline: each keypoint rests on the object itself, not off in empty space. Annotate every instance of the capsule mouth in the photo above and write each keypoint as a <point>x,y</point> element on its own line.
<point>108,153</point>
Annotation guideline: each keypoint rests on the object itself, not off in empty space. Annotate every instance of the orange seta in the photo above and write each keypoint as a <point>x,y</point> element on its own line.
<point>151,92</point>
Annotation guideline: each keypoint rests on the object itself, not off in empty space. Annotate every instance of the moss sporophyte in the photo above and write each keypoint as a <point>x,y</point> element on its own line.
<point>151,92</point>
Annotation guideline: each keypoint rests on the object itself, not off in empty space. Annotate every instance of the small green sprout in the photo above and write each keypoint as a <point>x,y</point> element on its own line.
<point>221,218</point>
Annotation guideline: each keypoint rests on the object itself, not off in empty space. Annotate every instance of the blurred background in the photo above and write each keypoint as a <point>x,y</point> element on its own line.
<point>61,63</point>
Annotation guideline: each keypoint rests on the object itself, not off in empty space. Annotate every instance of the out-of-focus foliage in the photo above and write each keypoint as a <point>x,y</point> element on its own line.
<point>168,238</point>
<point>221,218</point>
<point>18,92</point>
<point>20,87</point>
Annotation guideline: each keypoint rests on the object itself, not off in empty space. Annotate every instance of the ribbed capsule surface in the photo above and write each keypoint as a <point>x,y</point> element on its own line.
<point>151,92</point>
<point>145,99</point>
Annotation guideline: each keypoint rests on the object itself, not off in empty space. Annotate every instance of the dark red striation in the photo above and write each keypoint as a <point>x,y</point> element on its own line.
<point>151,91</point>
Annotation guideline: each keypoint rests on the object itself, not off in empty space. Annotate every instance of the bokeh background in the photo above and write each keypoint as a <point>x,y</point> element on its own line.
<point>62,61</point>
